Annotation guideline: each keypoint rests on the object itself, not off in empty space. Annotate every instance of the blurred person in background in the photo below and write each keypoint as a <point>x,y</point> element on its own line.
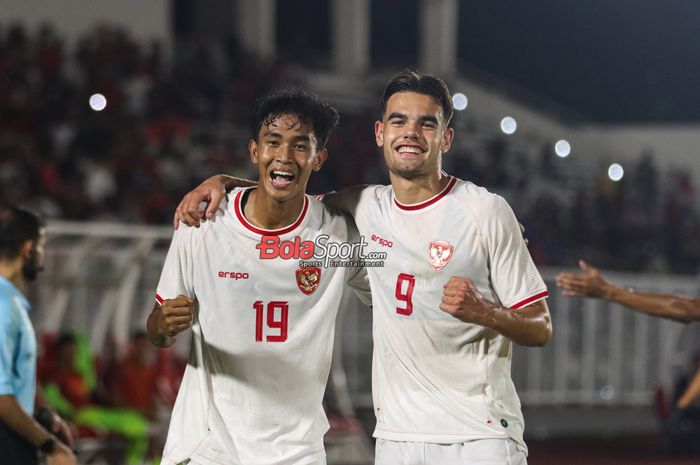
<point>136,377</point>
<point>25,432</point>
<point>73,388</point>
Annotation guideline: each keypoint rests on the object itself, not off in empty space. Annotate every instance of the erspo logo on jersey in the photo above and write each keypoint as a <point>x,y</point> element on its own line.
<point>233,275</point>
<point>320,252</point>
<point>381,241</point>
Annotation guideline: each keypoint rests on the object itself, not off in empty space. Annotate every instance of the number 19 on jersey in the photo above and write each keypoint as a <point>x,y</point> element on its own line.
<point>277,319</point>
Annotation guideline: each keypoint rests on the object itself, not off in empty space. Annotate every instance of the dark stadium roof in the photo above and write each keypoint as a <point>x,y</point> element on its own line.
<point>609,60</point>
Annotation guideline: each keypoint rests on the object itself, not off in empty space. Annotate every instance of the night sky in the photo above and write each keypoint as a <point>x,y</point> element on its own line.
<point>615,60</point>
<point>611,61</point>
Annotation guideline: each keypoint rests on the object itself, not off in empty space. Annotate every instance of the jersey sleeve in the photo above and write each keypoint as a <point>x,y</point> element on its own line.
<point>346,200</point>
<point>8,342</point>
<point>176,278</point>
<point>356,277</point>
<point>358,281</point>
<point>513,273</point>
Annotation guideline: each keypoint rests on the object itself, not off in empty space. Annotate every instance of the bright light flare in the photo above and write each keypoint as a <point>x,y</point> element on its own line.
<point>562,148</point>
<point>509,125</point>
<point>616,172</point>
<point>98,102</point>
<point>460,101</point>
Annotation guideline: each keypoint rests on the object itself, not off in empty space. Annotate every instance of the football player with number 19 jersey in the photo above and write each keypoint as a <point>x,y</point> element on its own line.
<point>263,325</point>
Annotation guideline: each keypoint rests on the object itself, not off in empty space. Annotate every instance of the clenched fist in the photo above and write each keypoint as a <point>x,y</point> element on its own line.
<point>462,300</point>
<point>170,318</point>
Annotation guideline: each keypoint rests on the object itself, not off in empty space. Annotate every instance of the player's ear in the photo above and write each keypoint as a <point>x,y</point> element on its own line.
<point>447,137</point>
<point>379,133</point>
<point>26,249</point>
<point>253,151</point>
<point>320,159</point>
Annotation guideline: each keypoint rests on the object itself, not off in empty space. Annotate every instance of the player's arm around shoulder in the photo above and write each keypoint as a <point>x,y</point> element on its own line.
<point>212,192</point>
<point>346,200</point>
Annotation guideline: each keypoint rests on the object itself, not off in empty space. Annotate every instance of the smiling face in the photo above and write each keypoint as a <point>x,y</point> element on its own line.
<point>286,154</point>
<point>413,135</point>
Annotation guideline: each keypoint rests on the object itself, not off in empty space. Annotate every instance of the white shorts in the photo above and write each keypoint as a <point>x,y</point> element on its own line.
<point>304,462</point>
<point>478,452</point>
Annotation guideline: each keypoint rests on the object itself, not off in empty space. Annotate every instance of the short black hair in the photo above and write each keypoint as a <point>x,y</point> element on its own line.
<point>413,81</point>
<point>322,116</point>
<point>17,225</point>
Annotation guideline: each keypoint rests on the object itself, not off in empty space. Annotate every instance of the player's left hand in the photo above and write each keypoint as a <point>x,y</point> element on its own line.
<point>462,300</point>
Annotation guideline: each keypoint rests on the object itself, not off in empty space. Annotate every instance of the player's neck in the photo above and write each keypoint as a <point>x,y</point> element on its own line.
<point>420,189</point>
<point>12,271</point>
<point>266,213</point>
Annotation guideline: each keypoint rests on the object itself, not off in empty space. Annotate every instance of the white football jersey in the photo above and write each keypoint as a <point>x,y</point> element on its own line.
<point>435,378</point>
<point>262,340</point>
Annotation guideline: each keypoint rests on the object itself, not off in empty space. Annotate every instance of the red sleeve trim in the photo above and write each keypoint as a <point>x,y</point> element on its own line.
<point>159,299</point>
<point>529,300</point>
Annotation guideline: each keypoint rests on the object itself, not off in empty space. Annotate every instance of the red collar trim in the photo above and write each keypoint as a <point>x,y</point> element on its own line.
<point>267,232</point>
<point>430,201</point>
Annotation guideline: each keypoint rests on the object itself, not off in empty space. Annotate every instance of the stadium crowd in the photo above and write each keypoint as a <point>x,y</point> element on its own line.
<point>173,119</point>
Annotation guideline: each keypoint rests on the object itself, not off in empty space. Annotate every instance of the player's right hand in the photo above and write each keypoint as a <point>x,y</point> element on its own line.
<point>61,455</point>
<point>173,316</point>
<point>588,284</point>
<point>212,191</point>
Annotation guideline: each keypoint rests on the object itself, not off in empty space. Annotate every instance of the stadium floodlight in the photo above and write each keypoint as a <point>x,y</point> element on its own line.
<point>562,148</point>
<point>509,125</point>
<point>98,102</point>
<point>616,172</point>
<point>460,101</point>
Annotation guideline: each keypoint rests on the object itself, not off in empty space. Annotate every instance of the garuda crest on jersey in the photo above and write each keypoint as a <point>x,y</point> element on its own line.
<point>439,254</point>
<point>308,279</point>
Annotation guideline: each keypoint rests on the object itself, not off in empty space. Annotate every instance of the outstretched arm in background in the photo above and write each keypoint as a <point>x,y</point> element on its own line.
<point>592,284</point>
